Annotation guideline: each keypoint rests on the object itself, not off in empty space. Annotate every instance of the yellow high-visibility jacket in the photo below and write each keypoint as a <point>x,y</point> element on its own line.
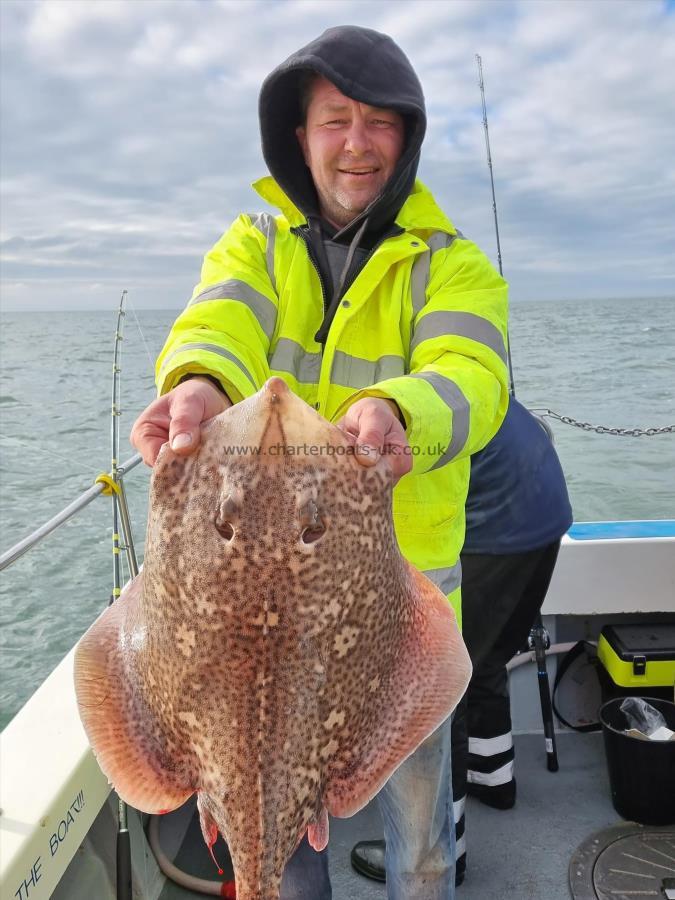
<point>423,324</point>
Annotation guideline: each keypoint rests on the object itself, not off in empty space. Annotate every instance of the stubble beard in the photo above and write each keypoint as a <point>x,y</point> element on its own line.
<point>341,207</point>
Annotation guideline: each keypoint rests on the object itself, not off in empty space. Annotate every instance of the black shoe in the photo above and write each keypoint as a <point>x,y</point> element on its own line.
<point>499,796</point>
<point>367,858</point>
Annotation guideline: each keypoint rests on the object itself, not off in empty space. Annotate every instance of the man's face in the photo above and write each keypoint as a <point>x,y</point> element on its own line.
<point>351,150</point>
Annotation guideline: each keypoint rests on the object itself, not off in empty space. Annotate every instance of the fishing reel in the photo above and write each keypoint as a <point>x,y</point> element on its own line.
<point>538,638</point>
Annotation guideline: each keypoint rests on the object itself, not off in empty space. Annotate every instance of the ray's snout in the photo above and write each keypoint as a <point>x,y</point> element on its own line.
<point>276,388</point>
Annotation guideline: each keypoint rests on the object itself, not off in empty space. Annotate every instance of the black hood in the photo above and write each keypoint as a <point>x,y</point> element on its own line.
<point>366,66</point>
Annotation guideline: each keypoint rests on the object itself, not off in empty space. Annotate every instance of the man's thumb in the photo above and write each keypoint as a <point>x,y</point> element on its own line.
<point>184,431</point>
<point>182,442</point>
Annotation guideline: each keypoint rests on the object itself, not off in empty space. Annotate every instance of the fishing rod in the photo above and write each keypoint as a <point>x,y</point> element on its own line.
<point>115,445</point>
<point>120,514</point>
<point>539,414</point>
<point>120,506</point>
<point>486,131</point>
<point>539,640</point>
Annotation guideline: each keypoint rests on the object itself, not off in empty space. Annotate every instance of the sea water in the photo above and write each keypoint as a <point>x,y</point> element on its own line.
<point>609,363</point>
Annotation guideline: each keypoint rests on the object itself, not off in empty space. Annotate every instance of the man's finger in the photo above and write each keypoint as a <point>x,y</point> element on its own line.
<point>399,461</point>
<point>148,434</point>
<point>192,403</point>
<point>151,448</point>
<point>371,421</point>
<point>176,417</point>
<point>184,430</point>
<point>368,450</point>
<point>370,439</point>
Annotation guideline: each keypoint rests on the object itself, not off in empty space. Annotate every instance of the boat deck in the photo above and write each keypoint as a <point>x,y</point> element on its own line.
<point>518,854</point>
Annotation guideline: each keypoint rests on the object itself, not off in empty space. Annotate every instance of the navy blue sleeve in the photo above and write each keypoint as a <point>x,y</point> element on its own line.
<point>517,498</point>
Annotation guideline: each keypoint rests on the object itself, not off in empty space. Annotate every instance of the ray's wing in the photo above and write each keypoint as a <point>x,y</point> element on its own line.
<point>120,728</point>
<point>423,686</point>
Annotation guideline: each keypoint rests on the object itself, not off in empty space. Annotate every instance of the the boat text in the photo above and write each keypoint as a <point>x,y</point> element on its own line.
<point>23,892</point>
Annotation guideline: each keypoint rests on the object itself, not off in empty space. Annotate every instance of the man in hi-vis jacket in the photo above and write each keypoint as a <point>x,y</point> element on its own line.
<point>363,296</point>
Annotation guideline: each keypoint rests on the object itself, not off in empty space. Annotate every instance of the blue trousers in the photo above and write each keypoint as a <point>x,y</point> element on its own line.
<point>416,807</point>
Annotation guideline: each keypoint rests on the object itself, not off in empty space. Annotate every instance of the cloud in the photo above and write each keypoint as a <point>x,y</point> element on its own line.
<point>130,136</point>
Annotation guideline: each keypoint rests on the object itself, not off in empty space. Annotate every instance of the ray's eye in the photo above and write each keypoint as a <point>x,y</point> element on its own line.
<point>312,533</point>
<point>228,510</point>
<point>310,522</point>
<point>225,529</point>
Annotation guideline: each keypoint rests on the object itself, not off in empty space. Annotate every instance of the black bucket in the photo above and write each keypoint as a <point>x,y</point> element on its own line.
<point>641,773</point>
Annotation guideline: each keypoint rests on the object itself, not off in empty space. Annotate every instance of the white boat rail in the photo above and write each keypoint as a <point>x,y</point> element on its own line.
<point>45,817</point>
<point>100,487</point>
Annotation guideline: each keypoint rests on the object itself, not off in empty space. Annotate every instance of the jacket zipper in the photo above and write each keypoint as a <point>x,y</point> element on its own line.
<point>373,250</point>
<point>310,253</point>
<point>393,232</point>
<point>297,230</point>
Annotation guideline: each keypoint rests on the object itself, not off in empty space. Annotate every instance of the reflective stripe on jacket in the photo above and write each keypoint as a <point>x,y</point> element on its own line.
<point>423,324</point>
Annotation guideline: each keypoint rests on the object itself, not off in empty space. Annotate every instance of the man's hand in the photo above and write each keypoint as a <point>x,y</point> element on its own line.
<point>375,428</point>
<point>176,417</point>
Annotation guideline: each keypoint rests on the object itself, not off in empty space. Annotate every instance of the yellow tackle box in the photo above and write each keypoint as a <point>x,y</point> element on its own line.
<point>639,656</point>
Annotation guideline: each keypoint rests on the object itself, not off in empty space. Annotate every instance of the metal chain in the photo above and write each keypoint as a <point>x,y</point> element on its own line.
<point>604,429</point>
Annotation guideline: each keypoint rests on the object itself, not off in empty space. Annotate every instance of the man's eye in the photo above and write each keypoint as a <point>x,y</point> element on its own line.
<point>382,123</point>
<point>335,123</point>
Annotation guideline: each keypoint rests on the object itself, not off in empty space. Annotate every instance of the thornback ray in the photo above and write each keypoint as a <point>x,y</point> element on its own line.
<point>277,655</point>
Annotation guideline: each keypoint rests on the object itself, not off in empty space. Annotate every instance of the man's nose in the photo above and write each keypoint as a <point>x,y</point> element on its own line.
<point>357,139</point>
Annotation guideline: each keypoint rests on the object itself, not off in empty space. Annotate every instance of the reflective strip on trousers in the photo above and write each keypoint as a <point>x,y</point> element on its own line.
<point>447,579</point>
<point>458,809</point>
<point>261,306</point>
<point>465,324</point>
<point>211,348</point>
<point>491,746</point>
<point>453,398</point>
<point>502,775</point>
<point>291,358</point>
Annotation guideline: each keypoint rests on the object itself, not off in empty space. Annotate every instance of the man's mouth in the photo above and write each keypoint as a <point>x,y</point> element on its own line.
<point>367,171</point>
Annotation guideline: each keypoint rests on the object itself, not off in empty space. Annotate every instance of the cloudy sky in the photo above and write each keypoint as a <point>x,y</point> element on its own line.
<point>130,137</point>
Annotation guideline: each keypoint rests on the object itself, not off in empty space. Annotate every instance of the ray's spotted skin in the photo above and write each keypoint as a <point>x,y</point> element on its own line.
<point>277,655</point>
